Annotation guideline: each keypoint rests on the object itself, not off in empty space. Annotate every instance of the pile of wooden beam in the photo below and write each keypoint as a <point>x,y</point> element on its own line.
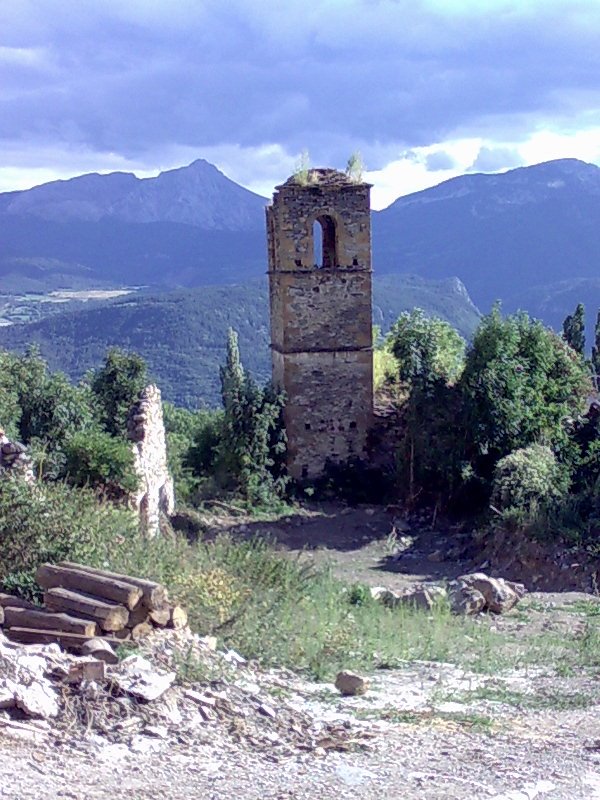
<point>82,603</point>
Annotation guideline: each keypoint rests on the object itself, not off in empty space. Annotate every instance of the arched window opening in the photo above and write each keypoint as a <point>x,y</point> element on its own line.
<point>324,243</point>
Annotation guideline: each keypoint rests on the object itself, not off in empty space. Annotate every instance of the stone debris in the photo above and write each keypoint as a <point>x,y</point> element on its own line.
<point>350,684</point>
<point>135,675</point>
<point>138,705</point>
<point>499,595</point>
<point>469,594</point>
<point>14,459</point>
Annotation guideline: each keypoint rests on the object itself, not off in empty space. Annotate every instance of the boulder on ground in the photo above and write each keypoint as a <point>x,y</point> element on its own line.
<point>385,596</point>
<point>464,599</point>
<point>420,597</point>
<point>350,684</point>
<point>499,595</point>
<point>423,597</point>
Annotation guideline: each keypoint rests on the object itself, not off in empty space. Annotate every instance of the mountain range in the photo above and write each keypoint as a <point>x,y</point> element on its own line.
<point>528,237</point>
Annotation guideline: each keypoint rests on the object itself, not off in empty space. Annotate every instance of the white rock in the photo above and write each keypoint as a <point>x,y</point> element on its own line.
<point>158,731</point>
<point>21,730</point>
<point>7,693</point>
<point>210,642</point>
<point>38,699</point>
<point>234,658</point>
<point>137,676</point>
<point>201,699</point>
<point>267,711</point>
<point>111,754</point>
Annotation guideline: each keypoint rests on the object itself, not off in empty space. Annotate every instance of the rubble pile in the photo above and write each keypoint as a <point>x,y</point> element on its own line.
<point>468,594</point>
<point>82,603</point>
<point>143,701</point>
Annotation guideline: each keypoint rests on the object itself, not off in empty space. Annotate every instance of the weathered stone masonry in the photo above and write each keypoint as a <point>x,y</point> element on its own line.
<point>146,429</point>
<point>321,337</point>
<point>14,459</point>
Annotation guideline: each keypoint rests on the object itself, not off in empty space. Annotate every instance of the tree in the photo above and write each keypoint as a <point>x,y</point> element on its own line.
<point>252,445</point>
<point>116,386</point>
<point>426,348</point>
<point>574,329</point>
<point>521,385</point>
<point>596,353</point>
<point>429,355</point>
<point>42,409</point>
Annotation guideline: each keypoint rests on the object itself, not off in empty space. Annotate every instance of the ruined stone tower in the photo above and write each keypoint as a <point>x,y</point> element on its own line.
<point>319,240</point>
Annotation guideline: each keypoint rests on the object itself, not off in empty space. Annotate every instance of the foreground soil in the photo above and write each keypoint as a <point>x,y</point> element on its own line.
<point>424,730</point>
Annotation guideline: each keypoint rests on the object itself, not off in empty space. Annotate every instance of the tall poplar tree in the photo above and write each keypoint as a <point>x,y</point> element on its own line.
<point>596,353</point>
<point>574,329</point>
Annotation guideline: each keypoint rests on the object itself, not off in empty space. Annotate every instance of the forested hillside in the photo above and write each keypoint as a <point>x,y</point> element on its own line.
<point>182,334</point>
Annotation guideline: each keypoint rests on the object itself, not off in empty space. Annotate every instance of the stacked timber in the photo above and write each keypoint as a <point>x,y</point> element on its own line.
<point>83,603</point>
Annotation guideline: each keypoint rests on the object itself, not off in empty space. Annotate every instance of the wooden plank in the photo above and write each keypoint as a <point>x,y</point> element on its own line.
<point>109,616</point>
<point>179,618</point>
<point>161,616</point>
<point>46,620</point>
<point>51,576</point>
<point>154,594</point>
<point>141,631</point>
<point>15,602</point>
<point>78,639</point>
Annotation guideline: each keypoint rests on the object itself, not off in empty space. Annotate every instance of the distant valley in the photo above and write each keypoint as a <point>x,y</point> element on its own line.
<point>182,333</point>
<point>528,237</point>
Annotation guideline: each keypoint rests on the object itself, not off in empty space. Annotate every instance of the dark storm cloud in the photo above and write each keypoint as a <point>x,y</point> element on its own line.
<point>136,76</point>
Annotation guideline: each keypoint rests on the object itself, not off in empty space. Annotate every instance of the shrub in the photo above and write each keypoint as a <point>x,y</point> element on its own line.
<point>52,522</point>
<point>97,459</point>
<point>528,478</point>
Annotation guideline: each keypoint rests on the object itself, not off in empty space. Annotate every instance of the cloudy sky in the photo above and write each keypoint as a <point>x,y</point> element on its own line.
<point>424,89</point>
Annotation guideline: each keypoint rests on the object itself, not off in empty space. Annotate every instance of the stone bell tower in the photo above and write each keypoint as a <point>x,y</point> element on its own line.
<point>319,240</point>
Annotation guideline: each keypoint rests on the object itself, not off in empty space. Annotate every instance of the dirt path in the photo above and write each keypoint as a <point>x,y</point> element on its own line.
<point>368,544</point>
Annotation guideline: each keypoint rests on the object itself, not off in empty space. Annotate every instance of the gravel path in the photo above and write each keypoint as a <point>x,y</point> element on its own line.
<point>403,763</point>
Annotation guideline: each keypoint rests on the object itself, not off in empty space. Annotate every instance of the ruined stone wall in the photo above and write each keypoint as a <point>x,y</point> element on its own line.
<point>328,411</point>
<point>14,459</point>
<point>321,335</point>
<point>145,427</point>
